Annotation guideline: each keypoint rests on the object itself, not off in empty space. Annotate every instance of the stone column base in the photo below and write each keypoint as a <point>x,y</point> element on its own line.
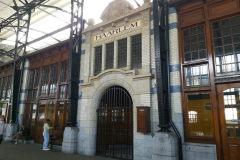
<point>69,144</point>
<point>165,146</point>
<point>11,130</point>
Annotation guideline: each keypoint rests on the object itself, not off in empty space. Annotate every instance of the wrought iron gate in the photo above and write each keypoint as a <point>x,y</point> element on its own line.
<point>115,124</point>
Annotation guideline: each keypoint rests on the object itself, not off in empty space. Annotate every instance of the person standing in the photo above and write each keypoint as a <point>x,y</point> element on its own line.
<point>2,128</point>
<point>46,129</point>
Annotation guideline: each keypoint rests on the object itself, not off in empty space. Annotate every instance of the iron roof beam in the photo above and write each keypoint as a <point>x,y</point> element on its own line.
<point>38,39</point>
<point>14,17</point>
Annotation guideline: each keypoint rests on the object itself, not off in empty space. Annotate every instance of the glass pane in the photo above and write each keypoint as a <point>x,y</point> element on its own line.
<point>200,29</point>
<point>216,25</point>
<point>204,69</point>
<point>202,54</point>
<point>221,69</point>
<point>219,51</point>
<point>3,109</point>
<point>228,49</point>
<point>238,57</point>
<point>122,53</point>
<point>236,38</point>
<point>28,109</point>
<point>202,45</point>
<point>29,98</point>
<point>193,31</point>
<point>220,60</point>
<point>4,87</point>
<point>194,47</point>
<point>226,31</point>
<point>196,81</point>
<point>53,78</point>
<point>136,52</point>
<point>189,71</point>
<point>63,74</point>
<point>9,87</point>
<point>217,42</point>
<point>186,41</point>
<point>231,105</point>
<point>225,23</point>
<point>60,114</point>
<point>230,68</point>
<point>196,70</point>
<point>201,37</point>
<point>204,80</point>
<point>98,60</point>
<point>237,47</point>
<point>230,132</point>
<point>36,78</point>
<point>236,29</point>
<point>237,129</point>
<point>34,95</point>
<point>109,55</point>
<point>193,39</point>
<point>229,59</point>
<point>41,114</point>
<point>62,91</point>
<point>187,48</point>
<point>189,82</point>
<point>227,40</point>
<point>216,33</point>
<point>186,33</point>
<point>45,75</point>
<point>200,114</point>
<point>31,76</point>
<point>50,113</point>
<point>194,55</point>
<point>235,20</point>
<point>188,57</point>
<point>33,114</point>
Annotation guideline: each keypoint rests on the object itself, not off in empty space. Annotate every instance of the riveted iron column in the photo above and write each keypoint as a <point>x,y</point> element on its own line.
<point>23,27</point>
<point>75,42</point>
<point>161,62</point>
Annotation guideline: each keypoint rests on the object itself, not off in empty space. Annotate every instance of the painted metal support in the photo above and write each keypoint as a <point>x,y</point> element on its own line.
<point>162,61</point>
<point>23,28</point>
<point>75,41</point>
<point>162,78</point>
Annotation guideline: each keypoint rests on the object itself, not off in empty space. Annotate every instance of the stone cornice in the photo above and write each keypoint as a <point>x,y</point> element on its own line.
<point>116,71</point>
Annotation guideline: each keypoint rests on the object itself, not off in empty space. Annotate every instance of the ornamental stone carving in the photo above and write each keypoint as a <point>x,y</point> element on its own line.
<point>146,1</point>
<point>116,9</point>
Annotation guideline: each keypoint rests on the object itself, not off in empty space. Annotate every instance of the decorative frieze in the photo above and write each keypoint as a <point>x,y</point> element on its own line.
<point>226,79</point>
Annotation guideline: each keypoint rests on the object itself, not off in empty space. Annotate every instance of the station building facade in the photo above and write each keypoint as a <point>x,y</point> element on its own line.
<point>117,112</point>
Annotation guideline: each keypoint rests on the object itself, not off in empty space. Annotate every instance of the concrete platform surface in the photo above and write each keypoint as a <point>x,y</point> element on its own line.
<point>11,151</point>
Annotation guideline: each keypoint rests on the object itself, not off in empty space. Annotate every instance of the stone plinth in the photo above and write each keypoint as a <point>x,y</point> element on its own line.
<point>69,144</point>
<point>165,146</point>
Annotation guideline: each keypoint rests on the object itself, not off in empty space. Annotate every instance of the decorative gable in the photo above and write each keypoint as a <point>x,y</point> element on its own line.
<point>116,9</point>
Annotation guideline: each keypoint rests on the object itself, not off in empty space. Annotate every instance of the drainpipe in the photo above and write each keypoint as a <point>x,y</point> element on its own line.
<point>169,93</point>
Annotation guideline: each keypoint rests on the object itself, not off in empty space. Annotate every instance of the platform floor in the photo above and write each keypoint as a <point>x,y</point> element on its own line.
<point>11,151</point>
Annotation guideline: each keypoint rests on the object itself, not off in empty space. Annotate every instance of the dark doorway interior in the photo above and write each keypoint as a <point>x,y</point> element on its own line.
<point>115,124</point>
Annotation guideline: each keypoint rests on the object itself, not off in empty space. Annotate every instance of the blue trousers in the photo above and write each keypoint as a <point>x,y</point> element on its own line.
<point>46,139</point>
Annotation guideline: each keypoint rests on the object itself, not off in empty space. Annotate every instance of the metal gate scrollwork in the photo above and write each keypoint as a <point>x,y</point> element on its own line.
<point>115,124</point>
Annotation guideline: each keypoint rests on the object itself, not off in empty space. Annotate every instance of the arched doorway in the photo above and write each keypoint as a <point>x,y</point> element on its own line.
<point>115,124</point>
